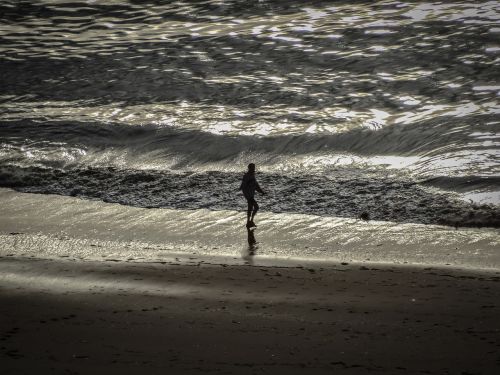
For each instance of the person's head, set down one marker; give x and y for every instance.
(251, 167)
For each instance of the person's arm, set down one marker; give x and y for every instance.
(243, 183)
(257, 187)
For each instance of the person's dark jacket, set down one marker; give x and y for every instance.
(249, 184)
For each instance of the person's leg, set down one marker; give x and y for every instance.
(255, 208)
(250, 208)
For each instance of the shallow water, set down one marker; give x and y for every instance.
(389, 108)
(80, 229)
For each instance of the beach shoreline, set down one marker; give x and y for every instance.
(102, 288)
(127, 238)
(47, 226)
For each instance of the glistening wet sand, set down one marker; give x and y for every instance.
(52, 226)
(80, 317)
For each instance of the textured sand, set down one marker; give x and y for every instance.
(96, 288)
(82, 317)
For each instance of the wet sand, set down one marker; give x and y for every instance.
(50, 226)
(91, 287)
(179, 317)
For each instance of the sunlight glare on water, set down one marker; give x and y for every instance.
(380, 103)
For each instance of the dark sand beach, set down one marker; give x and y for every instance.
(81, 292)
(81, 317)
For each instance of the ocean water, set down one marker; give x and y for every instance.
(385, 108)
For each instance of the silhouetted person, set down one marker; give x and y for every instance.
(248, 185)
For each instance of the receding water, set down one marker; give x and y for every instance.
(388, 107)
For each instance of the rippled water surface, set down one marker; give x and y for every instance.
(388, 107)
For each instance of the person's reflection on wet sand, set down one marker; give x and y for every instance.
(252, 246)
